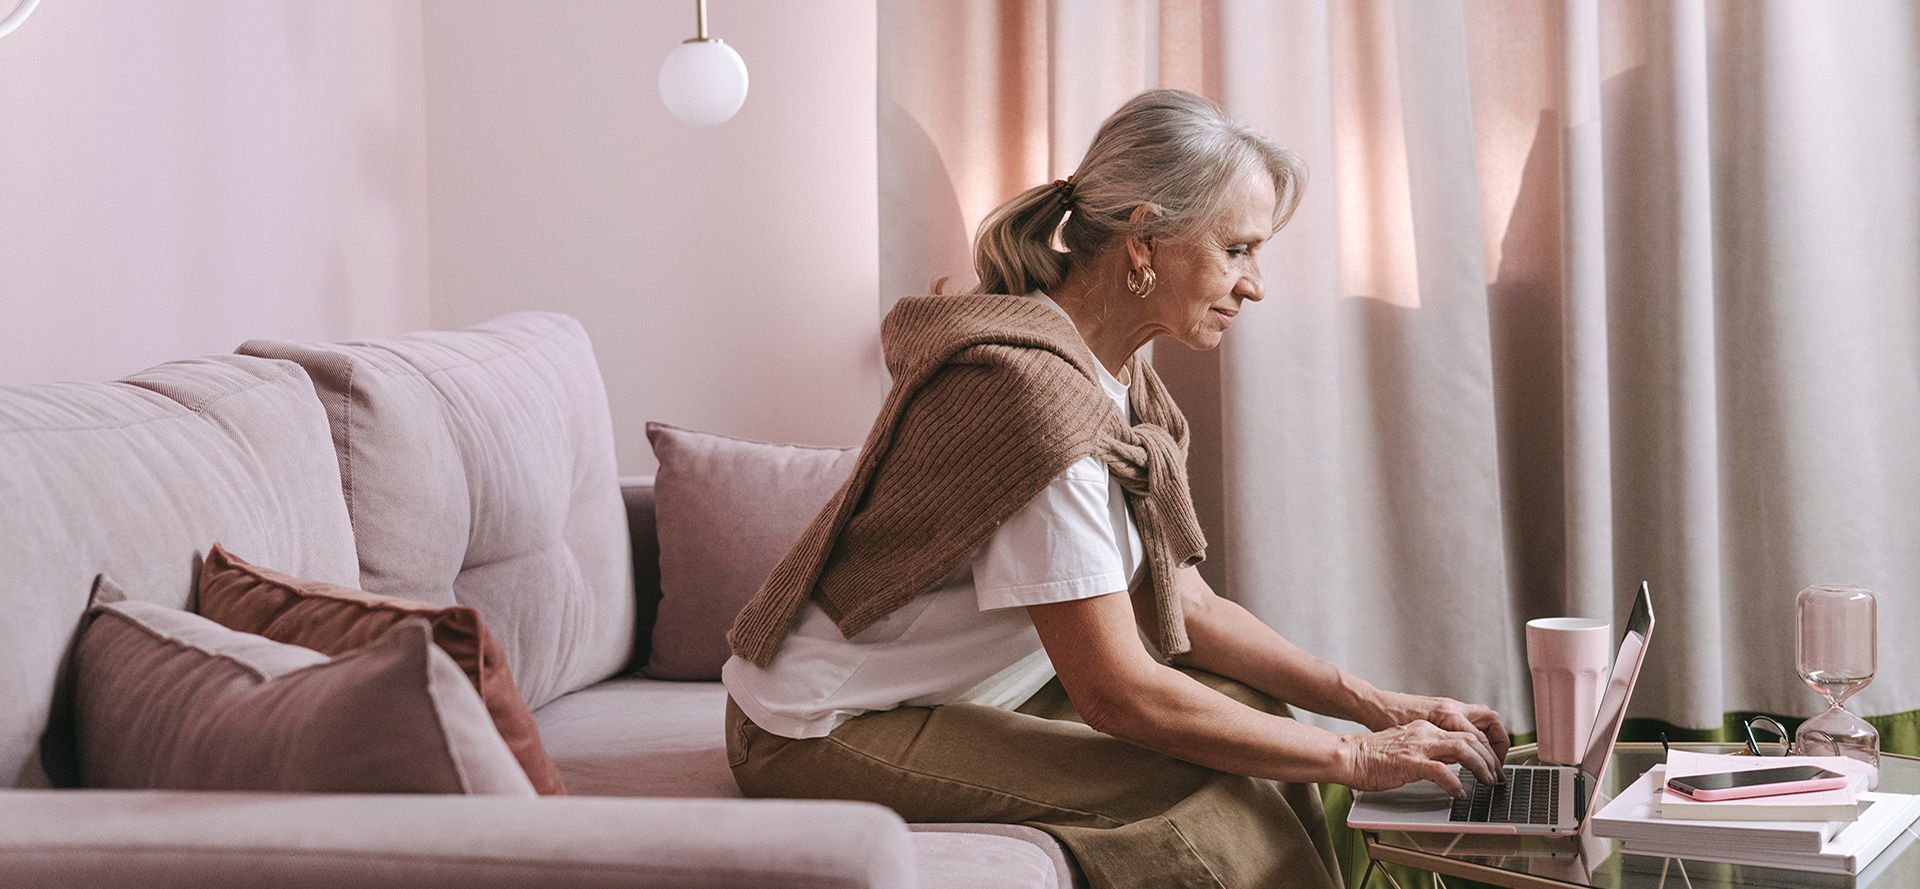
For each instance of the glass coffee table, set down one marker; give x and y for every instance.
(1589, 861)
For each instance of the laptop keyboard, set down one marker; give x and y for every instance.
(1530, 795)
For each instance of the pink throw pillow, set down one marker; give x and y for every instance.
(728, 509)
(168, 699)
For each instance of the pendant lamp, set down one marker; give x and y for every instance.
(19, 15)
(703, 81)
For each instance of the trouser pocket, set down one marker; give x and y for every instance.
(737, 741)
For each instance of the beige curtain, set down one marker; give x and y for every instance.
(1581, 294)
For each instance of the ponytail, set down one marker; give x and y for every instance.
(1013, 251)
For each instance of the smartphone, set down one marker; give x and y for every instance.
(1759, 782)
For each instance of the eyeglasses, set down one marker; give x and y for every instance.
(1764, 723)
(1769, 724)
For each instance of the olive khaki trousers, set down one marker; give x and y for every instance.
(1129, 817)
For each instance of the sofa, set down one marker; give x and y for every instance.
(470, 468)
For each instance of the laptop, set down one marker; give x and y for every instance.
(1534, 799)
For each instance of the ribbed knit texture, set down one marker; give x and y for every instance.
(993, 396)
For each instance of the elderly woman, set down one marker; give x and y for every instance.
(958, 634)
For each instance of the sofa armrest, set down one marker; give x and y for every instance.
(166, 839)
(643, 532)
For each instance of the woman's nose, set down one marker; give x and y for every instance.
(1250, 288)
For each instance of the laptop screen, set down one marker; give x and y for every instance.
(1613, 704)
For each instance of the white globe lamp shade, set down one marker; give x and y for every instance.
(17, 17)
(703, 82)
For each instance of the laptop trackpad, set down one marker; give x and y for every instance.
(1420, 796)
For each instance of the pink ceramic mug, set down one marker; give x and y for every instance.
(1568, 657)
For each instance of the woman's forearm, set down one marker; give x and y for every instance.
(1170, 712)
(1228, 640)
(1121, 690)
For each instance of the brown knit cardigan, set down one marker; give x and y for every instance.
(993, 396)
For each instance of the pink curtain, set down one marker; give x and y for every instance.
(1580, 295)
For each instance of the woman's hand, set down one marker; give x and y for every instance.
(1417, 751)
(1448, 714)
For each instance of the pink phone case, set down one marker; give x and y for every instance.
(1808, 786)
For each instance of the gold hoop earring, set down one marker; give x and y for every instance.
(1142, 285)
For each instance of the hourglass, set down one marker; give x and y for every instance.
(1834, 644)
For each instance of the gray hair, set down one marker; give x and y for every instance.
(1172, 150)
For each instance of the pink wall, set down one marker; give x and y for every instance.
(177, 177)
(728, 275)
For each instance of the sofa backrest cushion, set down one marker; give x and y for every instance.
(478, 468)
(136, 478)
(167, 699)
(728, 510)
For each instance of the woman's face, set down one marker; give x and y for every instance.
(1203, 282)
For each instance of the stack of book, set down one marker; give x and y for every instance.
(1833, 831)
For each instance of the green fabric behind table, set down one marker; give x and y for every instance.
(1899, 733)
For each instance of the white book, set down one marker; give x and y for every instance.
(1823, 805)
(1884, 818)
(1630, 817)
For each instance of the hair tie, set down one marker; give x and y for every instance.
(1064, 188)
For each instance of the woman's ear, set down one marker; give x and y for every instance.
(1140, 247)
(1139, 251)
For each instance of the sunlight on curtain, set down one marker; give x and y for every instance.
(1368, 171)
(1581, 294)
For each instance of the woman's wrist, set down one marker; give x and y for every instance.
(1346, 755)
(1372, 707)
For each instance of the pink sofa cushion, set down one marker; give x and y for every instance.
(334, 620)
(728, 509)
(167, 699)
(641, 737)
(958, 856)
(478, 469)
(133, 478)
(198, 840)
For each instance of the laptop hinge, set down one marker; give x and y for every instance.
(1579, 797)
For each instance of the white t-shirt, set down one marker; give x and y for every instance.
(969, 640)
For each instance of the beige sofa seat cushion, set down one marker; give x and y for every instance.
(478, 469)
(640, 737)
(166, 699)
(647, 737)
(1004, 856)
(136, 478)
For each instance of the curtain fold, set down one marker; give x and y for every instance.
(1581, 294)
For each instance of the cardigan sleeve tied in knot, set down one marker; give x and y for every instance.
(1149, 460)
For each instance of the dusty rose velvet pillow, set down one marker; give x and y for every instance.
(334, 620)
(728, 509)
(169, 699)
